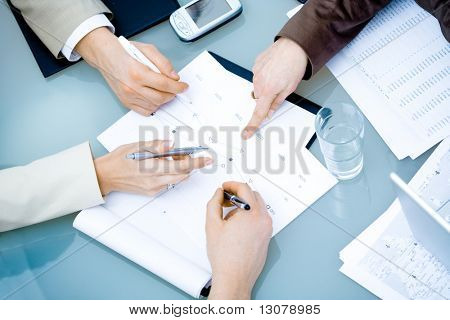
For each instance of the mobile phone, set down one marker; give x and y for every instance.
(200, 17)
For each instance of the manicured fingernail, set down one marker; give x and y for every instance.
(208, 161)
(174, 74)
(270, 114)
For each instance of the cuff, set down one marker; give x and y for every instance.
(312, 35)
(81, 31)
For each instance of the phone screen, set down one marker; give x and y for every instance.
(205, 11)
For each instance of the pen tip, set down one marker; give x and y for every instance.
(247, 207)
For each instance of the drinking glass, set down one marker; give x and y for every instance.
(340, 129)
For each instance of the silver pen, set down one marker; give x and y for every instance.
(171, 153)
(238, 202)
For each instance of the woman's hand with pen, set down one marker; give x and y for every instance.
(148, 177)
(237, 244)
(137, 87)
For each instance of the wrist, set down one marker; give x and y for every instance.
(294, 48)
(226, 288)
(95, 45)
(103, 170)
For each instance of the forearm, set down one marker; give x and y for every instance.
(54, 21)
(48, 188)
(323, 27)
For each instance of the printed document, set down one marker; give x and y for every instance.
(386, 258)
(397, 70)
(166, 233)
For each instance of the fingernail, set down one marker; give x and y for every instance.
(208, 161)
(245, 134)
(270, 114)
(174, 74)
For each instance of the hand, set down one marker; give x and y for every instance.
(237, 245)
(136, 86)
(117, 173)
(277, 73)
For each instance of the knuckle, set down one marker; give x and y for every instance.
(158, 99)
(127, 90)
(134, 74)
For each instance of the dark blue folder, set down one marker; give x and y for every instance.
(130, 18)
(248, 75)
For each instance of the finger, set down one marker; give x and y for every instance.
(161, 62)
(142, 111)
(214, 211)
(276, 105)
(155, 97)
(261, 203)
(242, 190)
(155, 146)
(259, 115)
(231, 214)
(178, 158)
(184, 166)
(164, 182)
(160, 82)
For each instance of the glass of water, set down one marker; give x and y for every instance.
(340, 129)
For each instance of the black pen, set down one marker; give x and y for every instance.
(238, 202)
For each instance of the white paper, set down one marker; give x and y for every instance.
(397, 70)
(292, 12)
(176, 219)
(179, 263)
(386, 258)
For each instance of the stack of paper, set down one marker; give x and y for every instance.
(386, 258)
(397, 70)
(166, 234)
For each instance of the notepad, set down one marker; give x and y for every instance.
(397, 70)
(166, 233)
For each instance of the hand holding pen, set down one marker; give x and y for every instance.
(236, 244)
(116, 172)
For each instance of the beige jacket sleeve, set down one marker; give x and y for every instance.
(48, 188)
(53, 21)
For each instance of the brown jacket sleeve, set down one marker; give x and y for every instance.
(323, 27)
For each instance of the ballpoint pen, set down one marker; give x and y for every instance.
(139, 56)
(238, 202)
(171, 153)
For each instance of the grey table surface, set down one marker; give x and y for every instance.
(40, 116)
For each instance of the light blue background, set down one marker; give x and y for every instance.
(41, 116)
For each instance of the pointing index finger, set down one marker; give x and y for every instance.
(261, 109)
